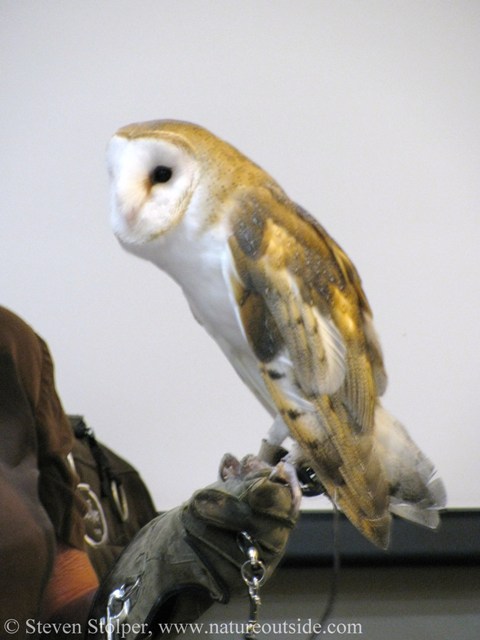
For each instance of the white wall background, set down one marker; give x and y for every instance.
(366, 111)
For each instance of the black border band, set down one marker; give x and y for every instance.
(457, 541)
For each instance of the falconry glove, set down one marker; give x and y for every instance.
(189, 557)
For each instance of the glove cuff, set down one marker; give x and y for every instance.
(145, 585)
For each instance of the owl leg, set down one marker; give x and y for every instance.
(271, 450)
(277, 432)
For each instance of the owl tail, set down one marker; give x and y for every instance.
(416, 493)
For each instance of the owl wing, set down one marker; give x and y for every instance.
(303, 311)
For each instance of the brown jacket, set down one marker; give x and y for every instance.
(38, 502)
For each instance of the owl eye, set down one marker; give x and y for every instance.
(160, 174)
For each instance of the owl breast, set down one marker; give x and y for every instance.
(199, 262)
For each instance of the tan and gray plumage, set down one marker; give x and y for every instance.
(284, 303)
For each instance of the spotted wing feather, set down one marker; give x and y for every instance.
(308, 322)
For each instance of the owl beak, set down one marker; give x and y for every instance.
(121, 220)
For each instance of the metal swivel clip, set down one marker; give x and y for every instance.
(254, 575)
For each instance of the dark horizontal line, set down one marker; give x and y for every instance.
(456, 541)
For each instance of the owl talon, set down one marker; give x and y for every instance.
(285, 472)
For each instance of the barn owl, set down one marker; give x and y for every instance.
(286, 306)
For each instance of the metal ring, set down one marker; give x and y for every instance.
(120, 500)
(253, 575)
(95, 522)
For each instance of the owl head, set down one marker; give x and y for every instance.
(168, 173)
(153, 174)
